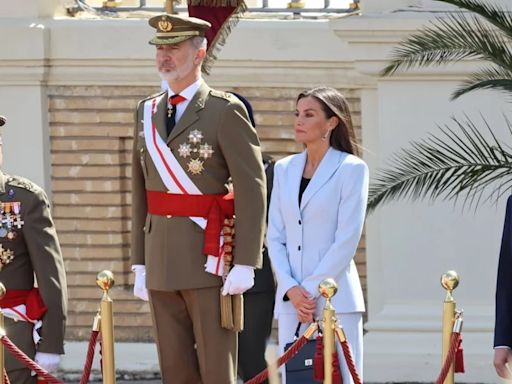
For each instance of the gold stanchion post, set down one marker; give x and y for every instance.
(3, 291)
(449, 281)
(169, 7)
(105, 280)
(328, 289)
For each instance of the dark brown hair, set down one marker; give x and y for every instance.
(333, 103)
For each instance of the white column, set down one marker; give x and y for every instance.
(23, 99)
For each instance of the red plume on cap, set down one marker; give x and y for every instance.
(223, 15)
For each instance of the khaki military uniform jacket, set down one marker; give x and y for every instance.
(36, 253)
(171, 248)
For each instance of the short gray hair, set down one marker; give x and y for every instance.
(199, 42)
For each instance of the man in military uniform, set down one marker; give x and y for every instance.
(35, 317)
(188, 142)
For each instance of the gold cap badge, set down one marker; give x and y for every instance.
(164, 25)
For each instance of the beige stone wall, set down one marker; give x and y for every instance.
(91, 138)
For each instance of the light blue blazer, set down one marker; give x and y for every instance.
(318, 239)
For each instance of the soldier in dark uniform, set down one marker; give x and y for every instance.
(30, 252)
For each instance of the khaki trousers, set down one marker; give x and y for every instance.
(192, 346)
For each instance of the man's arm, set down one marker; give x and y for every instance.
(46, 258)
(241, 148)
(139, 211)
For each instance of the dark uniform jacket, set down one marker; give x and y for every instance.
(36, 254)
(503, 326)
(171, 248)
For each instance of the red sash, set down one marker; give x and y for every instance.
(29, 297)
(214, 208)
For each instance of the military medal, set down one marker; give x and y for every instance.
(195, 166)
(10, 218)
(205, 151)
(17, 217)
(6, 256)
(197, 151)
(184, 150)
(195, 136)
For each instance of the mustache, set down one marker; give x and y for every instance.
(166, 64)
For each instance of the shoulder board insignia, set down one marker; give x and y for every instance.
(222, 94)
(21, 182)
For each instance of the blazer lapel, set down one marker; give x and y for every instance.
(326, 169)
(191, 114)
(160, 117)
(296, 168)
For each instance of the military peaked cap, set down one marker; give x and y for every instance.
(173, 29)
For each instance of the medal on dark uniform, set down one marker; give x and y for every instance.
(3, 221)
(17, 217)
(6, 256)
(10, 218)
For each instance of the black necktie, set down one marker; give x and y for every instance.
(174, 100)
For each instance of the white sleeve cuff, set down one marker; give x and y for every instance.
(138, 268)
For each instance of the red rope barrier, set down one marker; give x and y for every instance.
(350, 361)
(283, 359)
(449, 357)
(6, 378)
(28, 362)
(90, 357)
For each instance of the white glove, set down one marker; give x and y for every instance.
(47, 361)
(239, 280)
(139, 288)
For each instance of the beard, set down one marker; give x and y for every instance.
(176, 73)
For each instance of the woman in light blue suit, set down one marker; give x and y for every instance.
(316, 217)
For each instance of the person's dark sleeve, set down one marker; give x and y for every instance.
(503, 325)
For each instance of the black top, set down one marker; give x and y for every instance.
(303, 185)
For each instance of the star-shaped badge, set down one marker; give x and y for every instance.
(195, 166)
(184, 150)
(195, 136)
(205, 151)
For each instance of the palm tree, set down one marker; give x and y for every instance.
(476, 166)
(483, 34)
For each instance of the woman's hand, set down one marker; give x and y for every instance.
(303, 302)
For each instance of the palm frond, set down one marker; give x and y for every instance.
(456, 37)
(495, 15)
(461, 162)
(487, 78)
